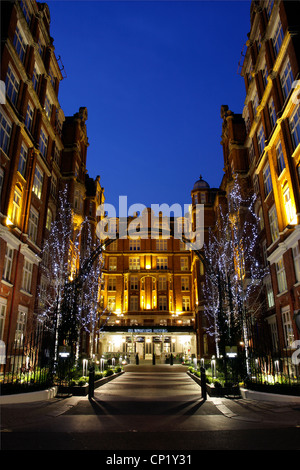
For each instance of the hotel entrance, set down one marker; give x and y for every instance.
(146, 342)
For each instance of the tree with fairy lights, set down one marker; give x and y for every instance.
(72, 266)
(233, 281)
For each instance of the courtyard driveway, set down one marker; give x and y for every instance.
(150, 408)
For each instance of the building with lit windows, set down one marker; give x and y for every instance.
(262, 147)
(41, 152)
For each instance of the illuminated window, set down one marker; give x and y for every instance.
(184, 264)
(186, 307)
(49, 219)
(161, 245)
(112, 264)
(134, 264)
(134, 284)
(3, 306)
(287, 327)
(111, 304)
(33, 224)
(16, 208)
(281, 277)
(289, 209)
(295, 126)
(287, 79)
(185, 283)
(162, 263)
(27, 275)
(280, 158)
(296, 259)
(162, 302)
(273, 224)
(12, 85)
(270, 294)
(267, 180)
(20, 327)
(38, 182)
(134, 303)
(8, 260)
(278, 37)
(112, 284)
(134, 245)
(162, 283)
(48, 106)
(23, 160)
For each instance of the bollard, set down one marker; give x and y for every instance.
(171, 359)
(203, 383)
(137, 361)
(91, 382)
(153, 359)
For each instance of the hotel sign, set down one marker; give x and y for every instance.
(147, 330)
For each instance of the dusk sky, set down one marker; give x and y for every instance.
(153, 76)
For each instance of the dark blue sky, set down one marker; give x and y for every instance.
(153, 75)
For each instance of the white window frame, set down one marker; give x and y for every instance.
(3, 309)
(296, 260)
(281, 276)
(134, 264)
(112, 284)
(29, 116)
(162, 283)
(19, 43)
(37, 186)
(112, 266)
(134, 303)
(161, 245)
(295, 126)
(186, 304)
(43, 142)
(268, 187)
(20, 326)
(286, 78)
(162, 303)
(261, 139)
(5, 132)
(33, 224)
(12, 84)
(277, 37)
(185, 284)
(23, 159)
(134, 283)
(8, 263)
(161, 263)
(184, 264)
(280, 158)
(16, 207)
(134, 244)
(27, 275)
(273, 222)
(287, 327)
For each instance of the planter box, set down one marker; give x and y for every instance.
(82, 391)
(217, 391)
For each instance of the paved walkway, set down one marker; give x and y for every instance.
(147, 407)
